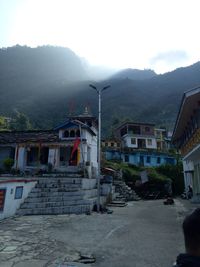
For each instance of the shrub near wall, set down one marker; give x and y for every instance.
(175, 173)
(8, 163)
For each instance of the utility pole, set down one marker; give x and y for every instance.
(99, 92)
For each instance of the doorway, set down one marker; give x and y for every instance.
(141, 143)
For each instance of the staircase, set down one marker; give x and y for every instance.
(125, 193)
(57, 195)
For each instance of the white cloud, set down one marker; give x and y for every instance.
(120, 33)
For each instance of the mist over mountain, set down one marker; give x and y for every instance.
(134, 74)
(48, 83)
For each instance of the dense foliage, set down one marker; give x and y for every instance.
(175, 173)
(157, 176)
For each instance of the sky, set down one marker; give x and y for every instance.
(156, 34)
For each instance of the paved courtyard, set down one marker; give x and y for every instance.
(142, 234)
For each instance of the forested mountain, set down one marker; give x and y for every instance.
(47, 83)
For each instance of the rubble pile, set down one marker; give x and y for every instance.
(125, 193)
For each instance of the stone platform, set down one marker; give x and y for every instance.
(60, 195)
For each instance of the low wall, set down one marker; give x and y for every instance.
(88, 183)
(12, 195)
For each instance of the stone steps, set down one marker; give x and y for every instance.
(58, 196)
(78, 209)
(38, 194)
(52, 199)
(36, 205)
(55, 189)
(43, 185)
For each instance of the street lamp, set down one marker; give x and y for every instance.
(99, 91)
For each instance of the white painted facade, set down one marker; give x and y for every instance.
(86, 151)
(11, 204)
(191, 168)
(132, 141)
(188, 170)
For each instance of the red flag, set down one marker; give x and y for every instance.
(76, 144)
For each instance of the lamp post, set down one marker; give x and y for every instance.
(99, 92)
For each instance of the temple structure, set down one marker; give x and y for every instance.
(71, 145)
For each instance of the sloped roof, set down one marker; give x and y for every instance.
(190, 102)
(69, 123)
(7, 137)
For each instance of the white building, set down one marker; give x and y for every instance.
(71, 145)
(12, 194)
(186, 137)
(137, 135)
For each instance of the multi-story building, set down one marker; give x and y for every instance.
(141, 144)
(137, 135)
(186, 137)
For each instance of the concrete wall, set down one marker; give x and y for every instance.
(88, 183)
(136, 158)
(11, 204)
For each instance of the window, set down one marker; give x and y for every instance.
(158, 160)
(134, 129)
(118, 144)
(133, 141)
(66, 134)
(78, 133)
(106, 144)
(126, 158)
(147, 129)
(112, 144)
(18, 192)
(72, 133)
(149, 142)
(148, 159)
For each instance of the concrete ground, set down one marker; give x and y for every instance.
(143, 234)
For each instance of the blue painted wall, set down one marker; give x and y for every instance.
(137, 158)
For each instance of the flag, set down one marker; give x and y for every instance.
(75, 147)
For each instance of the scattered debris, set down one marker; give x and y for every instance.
(168, 201)
(87, 259)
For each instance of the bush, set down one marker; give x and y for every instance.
(8, 163)
(175, 173)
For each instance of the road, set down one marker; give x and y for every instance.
(143, 234)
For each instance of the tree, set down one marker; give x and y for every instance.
(20, 122)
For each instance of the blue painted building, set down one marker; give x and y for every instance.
(142, 158)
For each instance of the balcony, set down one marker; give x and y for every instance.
(191, 143)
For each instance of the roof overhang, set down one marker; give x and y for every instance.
(189, 103)
(194, 154)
